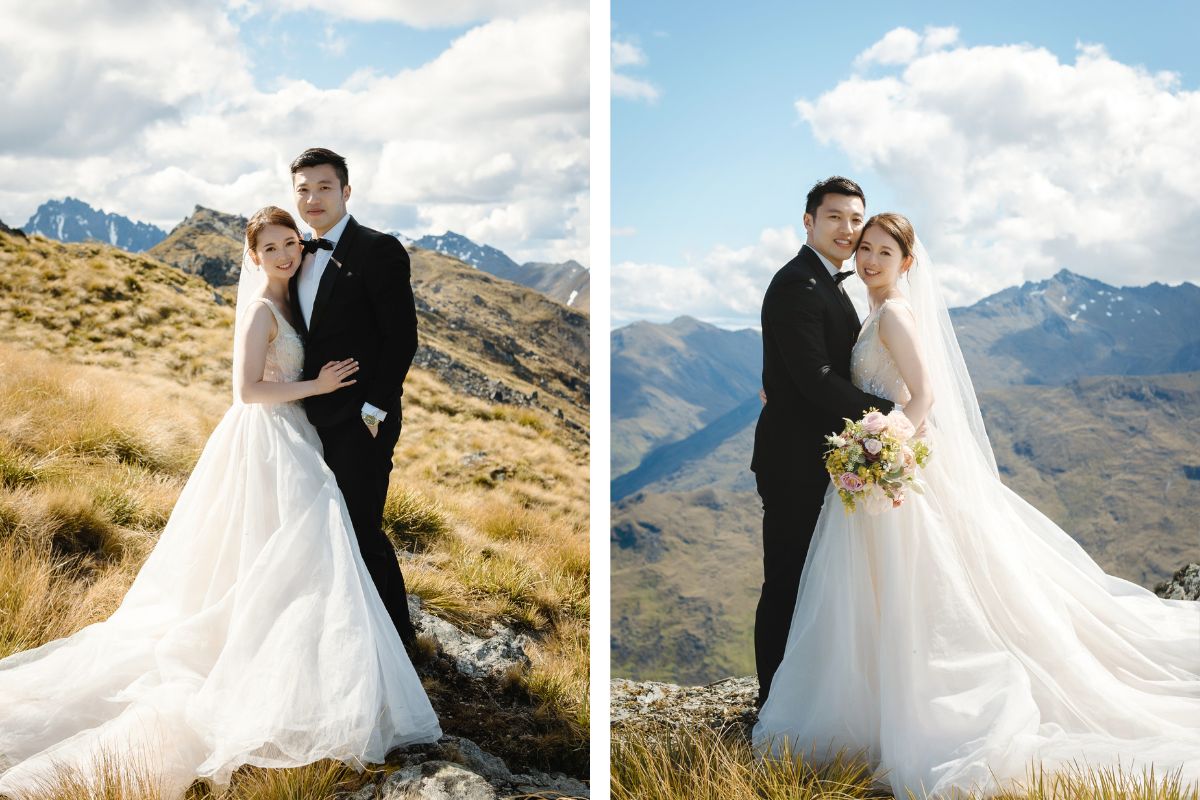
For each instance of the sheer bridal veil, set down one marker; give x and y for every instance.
(955, 416)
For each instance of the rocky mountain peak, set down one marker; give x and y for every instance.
(207, 243)
(73, 220)
(232, 225)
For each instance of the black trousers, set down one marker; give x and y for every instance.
(790, 511)
(362, 463)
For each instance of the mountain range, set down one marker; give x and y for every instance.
(71, 220)
(568, 282)
(1084, 389)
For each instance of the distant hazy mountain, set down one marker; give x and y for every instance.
(1100, 453)
(72, 220)
(568, 282)
(1067, 326)
(668, 381)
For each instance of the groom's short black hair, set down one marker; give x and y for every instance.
(834, 185)
(315, 156)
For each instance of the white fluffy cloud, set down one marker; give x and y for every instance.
(628, 54)
(724, 286)
(1014, 164)
(901, 45)
(149, 111)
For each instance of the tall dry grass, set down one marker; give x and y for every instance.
(101, 305)
(702, 764)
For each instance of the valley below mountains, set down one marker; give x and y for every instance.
(1088, 392)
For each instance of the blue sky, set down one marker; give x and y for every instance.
(326, 50)
(469, 116)
(723, 153)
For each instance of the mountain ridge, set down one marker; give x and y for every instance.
(567, 282)
(73, 220)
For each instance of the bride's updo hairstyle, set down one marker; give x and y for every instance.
(269, 215)
(896, 226)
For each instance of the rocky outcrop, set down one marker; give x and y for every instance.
(456, 767)
(468, 380)
(663, 707)
(473, 656)
(1184, 584)
(208, 243)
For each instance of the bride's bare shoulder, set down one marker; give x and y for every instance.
(260, 319)
(896, 320)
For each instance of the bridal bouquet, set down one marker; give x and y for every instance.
(875, 461)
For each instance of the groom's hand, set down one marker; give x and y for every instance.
(371, 417)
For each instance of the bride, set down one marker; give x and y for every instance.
(253, 634)
(963, 637)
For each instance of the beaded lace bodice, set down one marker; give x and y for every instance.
(872, 368)
(285, 355)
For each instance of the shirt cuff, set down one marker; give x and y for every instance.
(374, 412)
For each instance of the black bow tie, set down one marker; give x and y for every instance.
(313, 245)
(841, 276)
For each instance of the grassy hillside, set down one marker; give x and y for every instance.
(488, 501)
(96, 304)
(535, 346)
(686, 572)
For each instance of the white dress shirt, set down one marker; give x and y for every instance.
(828, 264)
(311, 269)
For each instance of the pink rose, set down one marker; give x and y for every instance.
(850, 482)
(900, 426)
(874, 422)
(872, 446)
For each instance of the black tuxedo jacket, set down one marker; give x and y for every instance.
(364, 309)
(808, 330)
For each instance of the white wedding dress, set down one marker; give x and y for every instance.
(964, 636)
(253, 634)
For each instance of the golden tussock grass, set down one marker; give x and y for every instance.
(120, 777)
(101, 305)
(702, 764)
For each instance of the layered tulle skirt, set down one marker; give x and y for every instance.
(253, 634)
(964, 638)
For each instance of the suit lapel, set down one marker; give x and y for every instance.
(332, 271)
(294, 300)
(817, 268)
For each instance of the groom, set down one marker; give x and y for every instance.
(809, 326)
(352, 298)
